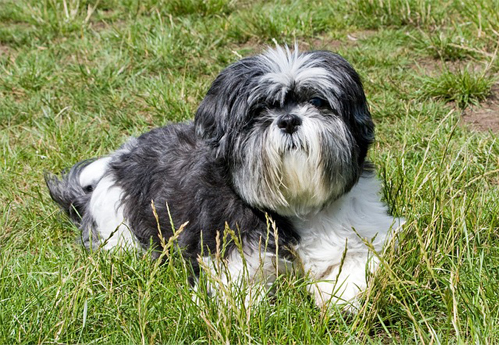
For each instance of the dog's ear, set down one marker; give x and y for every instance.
(349, 99)
(362, 127)
(223, 112)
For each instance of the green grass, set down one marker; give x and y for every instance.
(79, 77)
(463, 87)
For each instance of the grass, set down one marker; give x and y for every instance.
(463, 87)
(79, 77)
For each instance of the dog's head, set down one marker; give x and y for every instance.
(293, 128)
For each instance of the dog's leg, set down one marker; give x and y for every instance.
(244, 279)
(340, 283)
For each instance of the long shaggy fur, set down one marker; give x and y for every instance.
(281, 135)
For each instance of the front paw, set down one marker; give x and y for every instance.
(343, 295)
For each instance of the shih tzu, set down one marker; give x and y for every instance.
(280, 136)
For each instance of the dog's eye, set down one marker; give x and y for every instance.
(317, 102)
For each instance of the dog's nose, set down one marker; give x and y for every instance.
(289, 123)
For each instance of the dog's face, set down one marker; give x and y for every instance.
(293, 128)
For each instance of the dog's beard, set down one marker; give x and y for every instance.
(295, 174)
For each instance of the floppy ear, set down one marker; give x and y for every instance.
(361, 123)
(224, 109)
(353, 103)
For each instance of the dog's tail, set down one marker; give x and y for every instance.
(73, 190)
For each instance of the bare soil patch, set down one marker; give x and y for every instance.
(99, 26)
(485, 117)
(319, 43)
(4, 50)
(250, 47)
(436, 66)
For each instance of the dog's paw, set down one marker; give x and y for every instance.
(330, 294)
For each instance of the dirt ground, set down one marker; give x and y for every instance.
(485, 117)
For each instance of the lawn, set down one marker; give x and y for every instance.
(78, 77)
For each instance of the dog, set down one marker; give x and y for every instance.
(281, 136)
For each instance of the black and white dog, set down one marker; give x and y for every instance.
(282, 135)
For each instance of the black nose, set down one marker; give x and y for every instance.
(289, 123)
